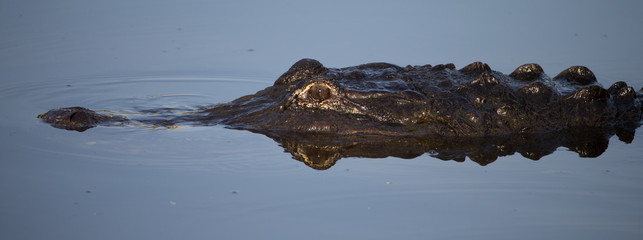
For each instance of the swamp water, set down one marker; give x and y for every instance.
(218, 183)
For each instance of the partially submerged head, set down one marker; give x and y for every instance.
(369, 99)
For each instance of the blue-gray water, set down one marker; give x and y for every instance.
(216, 183)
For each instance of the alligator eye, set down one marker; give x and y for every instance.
(319, 92)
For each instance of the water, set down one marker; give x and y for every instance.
(217, 183)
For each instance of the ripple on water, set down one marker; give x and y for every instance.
(123, 91)
(212, 148)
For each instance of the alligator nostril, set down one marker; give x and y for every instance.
(319, 92)
(71, 117)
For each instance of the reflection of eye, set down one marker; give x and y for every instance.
(319, 92)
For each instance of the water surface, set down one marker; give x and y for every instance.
(218, 183)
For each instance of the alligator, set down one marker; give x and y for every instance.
(382, 101)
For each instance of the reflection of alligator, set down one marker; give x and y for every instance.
(321, 152)
(419, 102)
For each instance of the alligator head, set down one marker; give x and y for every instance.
(370, 99)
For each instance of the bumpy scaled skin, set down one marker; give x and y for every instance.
(384, 99)
(321, 114)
